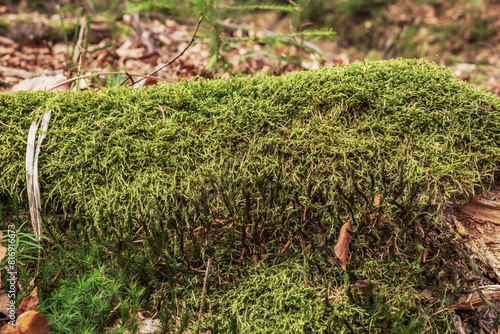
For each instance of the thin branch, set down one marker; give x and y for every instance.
(130, 77)
(102, 74)
(56, 321)
(209, 263)
(174, 59)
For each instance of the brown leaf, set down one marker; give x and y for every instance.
(286, 246)
(342, 246)
(30, 302)
(4, 302)
(426, 253)
(150, 81)
(32, 322)
(8, 329)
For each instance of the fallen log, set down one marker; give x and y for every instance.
(264, 172)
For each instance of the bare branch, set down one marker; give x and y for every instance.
(56, 321)
(174, 59)
(102, 74)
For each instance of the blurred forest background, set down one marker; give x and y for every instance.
(242, 37)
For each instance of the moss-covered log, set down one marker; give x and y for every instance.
(234, 169)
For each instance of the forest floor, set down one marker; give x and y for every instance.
(34, 44)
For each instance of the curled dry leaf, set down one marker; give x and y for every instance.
(150, 81)
(30, 322)
(4, 302)
(30, 302)
(342, 246)
(426, 254)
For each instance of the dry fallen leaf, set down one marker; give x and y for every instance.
(33, 322)
(40, 83)
(4, 302)
(30, 302)
(30, 322)
(147, 325)
(426, 253)
(8, 329)
(342, 246)
(150, 81)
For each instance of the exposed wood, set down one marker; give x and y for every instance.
(483, 209)
(478, 222)
(473, 300)
(458, 325)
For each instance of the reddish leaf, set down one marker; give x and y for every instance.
(4, 302)
(342, 246)
(8, 329)
(30, 322)
(150, 81)
(286, 247)
(426, 253)
(30, 302)
(33, 322)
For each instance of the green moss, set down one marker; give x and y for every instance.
(228, 167)
(282, 300)
(312, 126)
(4, 22)
(121, 29)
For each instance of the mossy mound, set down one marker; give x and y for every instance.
(233, 169)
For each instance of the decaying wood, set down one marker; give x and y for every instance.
(458, 325)
(483, 209)
(473, 300)
(478, 223)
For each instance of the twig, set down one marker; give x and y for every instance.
(458, 325)
(277, 265)
(202, 302)
(56, 321)
(171, 61)
(101, 74)
(130, 77)
(241, 136)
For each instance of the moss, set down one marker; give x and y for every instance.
(313, 126)
(282, 300)
(120, 29)
(4, 22)
(228, 167)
